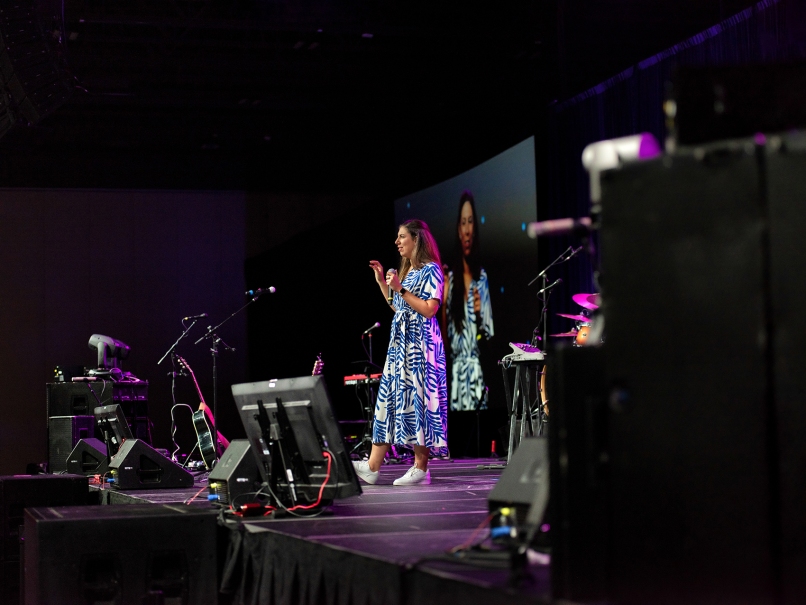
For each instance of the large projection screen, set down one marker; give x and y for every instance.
(504, 194)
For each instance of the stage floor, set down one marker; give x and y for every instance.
(402, 533)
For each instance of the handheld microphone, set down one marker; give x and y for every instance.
(480, 331)
(199, 316)
(390, 294)
(550, 286)
(377, 324)
(259, 291)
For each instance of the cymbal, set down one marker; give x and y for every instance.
(581, 318)
(588, 301)
(571, 334)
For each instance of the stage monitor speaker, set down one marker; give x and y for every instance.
(64, 432)
(127, 555)
(236, 477)
(88, 458)
(137, 465)
(685, 303)
(524, 484)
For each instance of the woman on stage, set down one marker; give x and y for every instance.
(411, 408)
(468, 312)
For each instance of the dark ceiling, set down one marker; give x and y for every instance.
(366, 96)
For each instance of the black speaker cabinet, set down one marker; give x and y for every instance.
(64, 432)
(80, 398)
(525, 481)
(236, 477)
(137, 465)
(17, 493)
(786, 192)
(686, 307)
(577, 393)
(127, 555)
(88, 458)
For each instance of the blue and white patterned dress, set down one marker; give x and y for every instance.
(467, 381)
(412, 403)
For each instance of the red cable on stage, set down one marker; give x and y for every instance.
(321, 489)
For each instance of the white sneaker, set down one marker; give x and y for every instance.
(414, 476)
(362, 470)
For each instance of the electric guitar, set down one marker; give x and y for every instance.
(203, 422)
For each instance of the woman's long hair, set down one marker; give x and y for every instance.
(459, 296)
(425, 248)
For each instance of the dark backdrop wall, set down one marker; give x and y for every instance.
(326, 297)
(129, 264)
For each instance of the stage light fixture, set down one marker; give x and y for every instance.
(613, 153)
(111, 351)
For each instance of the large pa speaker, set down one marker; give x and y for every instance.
(88, 458)
(578, 442)
(127, 555)
(686, 306)
(16, 494)
(524, 484)
(64, 432)
(137, 465)
(785, 166)
(236, 477)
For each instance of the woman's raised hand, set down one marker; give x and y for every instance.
(476, 301)
(378, 270)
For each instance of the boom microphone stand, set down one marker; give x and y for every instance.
(215, 340)
(545, 291)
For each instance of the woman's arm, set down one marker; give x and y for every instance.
(426, 308)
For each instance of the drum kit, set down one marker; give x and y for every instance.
(583, 321)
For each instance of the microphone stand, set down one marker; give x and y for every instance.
(174, 345)
(213, 337)
(369, 391)
(567, 255)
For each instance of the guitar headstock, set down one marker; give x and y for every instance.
(183, 364)
(318, 366)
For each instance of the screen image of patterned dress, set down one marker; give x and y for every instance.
(412, 403)
(467, 381)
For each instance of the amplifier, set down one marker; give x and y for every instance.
(64, 432)
(80, 398)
